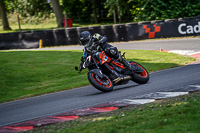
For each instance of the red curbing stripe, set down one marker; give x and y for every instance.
(104, 109)
(31, 124)
(196, 55)
(64, 118)
(17, 129)
(53, 119)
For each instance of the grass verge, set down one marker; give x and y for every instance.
(30, 73)
(45, 26)
(178, 114)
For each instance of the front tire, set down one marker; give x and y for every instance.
(105, 84)
(140, 78)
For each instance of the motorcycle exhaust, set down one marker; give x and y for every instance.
(119, 79)
(127, 78)
(115, 81)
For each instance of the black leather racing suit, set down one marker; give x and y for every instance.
(111, 51)
(101, 45)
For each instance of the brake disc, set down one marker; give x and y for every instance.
(99, 80)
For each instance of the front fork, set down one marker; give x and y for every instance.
(97, 70)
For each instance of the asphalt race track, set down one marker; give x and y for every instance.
(171, 79)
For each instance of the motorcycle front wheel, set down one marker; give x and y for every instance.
(140, 78)
(102, 84)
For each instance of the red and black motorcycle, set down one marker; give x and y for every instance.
(101, 68)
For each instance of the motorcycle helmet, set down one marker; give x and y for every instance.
(86, 39)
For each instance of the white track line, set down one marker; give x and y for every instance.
(184, 52)
(160, 95)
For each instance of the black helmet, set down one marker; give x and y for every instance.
(86, 38)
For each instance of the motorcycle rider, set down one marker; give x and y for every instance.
(97, 43)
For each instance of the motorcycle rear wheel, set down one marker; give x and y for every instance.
(140, 78)
(105, 84)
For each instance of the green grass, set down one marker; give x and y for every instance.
(29, 27)
(30, 73)
(40, 22)
(44, 26)
(175, 115)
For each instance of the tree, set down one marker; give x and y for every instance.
(81, 10)
(4, 16)
(145, 10)
(94, 11)
(58, 12)
(120, 6)
(28, 7)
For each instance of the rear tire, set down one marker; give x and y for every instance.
(140, 78)
(105, 85)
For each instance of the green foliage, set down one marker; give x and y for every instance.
(162, 9)
(120, 5)
(29, 7)
(40, 11)
(30, 12)
(81, 10)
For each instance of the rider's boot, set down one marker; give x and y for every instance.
(115, 76)
(134, 68)
(125, 62)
